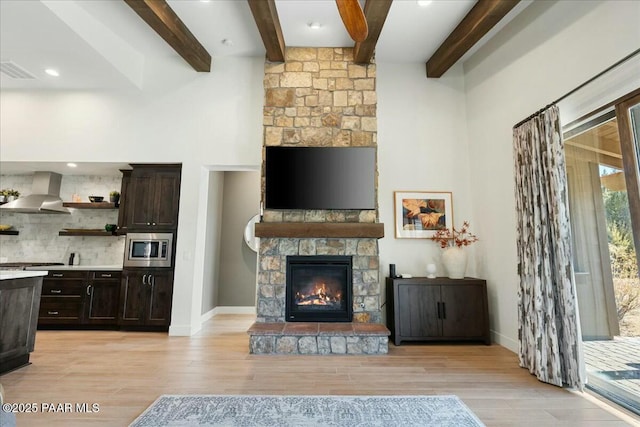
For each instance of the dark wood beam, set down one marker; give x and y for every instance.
(159, 16)
(375, 11)
(266, 17)
(480, 19)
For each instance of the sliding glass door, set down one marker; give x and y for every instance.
(602, 158)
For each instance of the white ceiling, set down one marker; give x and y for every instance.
(103, 44)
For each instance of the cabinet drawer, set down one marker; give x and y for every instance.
(105, 275)
(58, 308)
(61, 274)
(58, 288)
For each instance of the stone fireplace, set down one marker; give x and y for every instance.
(319, 97)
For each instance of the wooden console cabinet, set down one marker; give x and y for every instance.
(440, 309)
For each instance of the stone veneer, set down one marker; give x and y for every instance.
(318, 98)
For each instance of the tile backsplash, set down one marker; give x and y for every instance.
(38, 238)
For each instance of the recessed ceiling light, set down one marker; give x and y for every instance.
(72, 165)
(314, 25)
(52, 72)
(424, 3)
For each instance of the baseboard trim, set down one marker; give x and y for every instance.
(208, 315)
(228, 310)
(505, 341)
(183, 330)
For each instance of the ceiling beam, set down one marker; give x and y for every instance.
(266, 17)
(375, 12)
(159, 16)
(480, 19)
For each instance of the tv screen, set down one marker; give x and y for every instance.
(320, 178)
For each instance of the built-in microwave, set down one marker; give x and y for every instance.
(148, 250)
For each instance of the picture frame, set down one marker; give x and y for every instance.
(419, 214)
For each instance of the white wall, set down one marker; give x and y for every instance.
(211, 221)
(241, 201)
(198, 119)
(422, 146)
(542, 54)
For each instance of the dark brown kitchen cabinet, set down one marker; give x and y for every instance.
(440, 309)
(78, 298)
(145, 297)
(125, 190)
(153, 197)
(62, 298)
(101, 299)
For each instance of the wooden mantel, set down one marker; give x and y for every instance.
(360, 230)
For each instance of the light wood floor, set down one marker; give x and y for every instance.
(124, 372)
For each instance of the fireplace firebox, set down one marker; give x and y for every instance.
(319, 289)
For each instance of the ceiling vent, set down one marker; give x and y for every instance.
(14, 71)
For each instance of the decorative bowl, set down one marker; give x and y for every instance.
(96, 199)
(110, 227)
(5, 227)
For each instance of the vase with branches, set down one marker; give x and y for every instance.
(453, 241)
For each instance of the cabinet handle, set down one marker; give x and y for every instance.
(56, 291)
(148, 223)
(53, 313)
(439, 312)
(57, 275)
(105, 275)
(444, 311)
(88, 289)
(144, 279)
(152, 280)
(153, 223)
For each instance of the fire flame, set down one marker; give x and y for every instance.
(319, 295)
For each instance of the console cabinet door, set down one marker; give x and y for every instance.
(463, 311)
(419, 312)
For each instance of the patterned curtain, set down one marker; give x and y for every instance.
(549, 328)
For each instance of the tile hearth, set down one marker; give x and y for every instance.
(318, 338)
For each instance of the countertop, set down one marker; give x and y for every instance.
(10, 274)
(77, 268)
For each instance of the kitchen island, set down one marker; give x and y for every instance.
(19, 304)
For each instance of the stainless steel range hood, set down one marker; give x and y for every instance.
(45, 197)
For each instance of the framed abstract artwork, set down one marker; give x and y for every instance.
(419, 214)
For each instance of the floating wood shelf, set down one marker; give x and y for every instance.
(86, 233)
(90, 205)
(9, 233)
(320, 229)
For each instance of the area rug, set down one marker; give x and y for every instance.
(306, 411)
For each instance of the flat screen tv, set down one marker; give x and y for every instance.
(320, 178)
